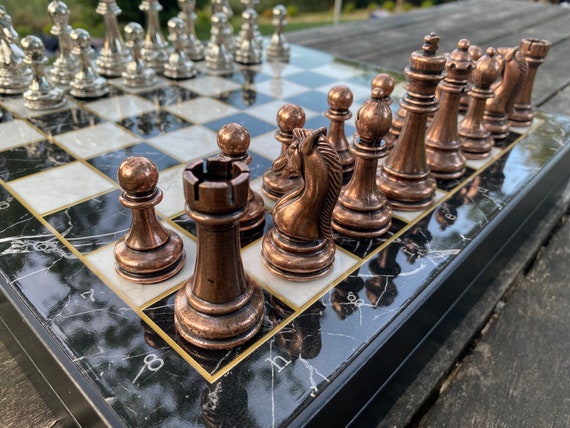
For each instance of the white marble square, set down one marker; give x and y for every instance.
(103, 262)
(117, 108)
(202, 110)
(188, 143)
(257, 186)
(170, 182)
(410, 216)
(16, 133)
(266, 145)
(296, 293)
(18, 106)
(118, 83)
(280, 89)
(95, 140)
(337, 70)
(58, 187)
(210, 86)
(480, 163)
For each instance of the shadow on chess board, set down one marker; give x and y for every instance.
(61, 216)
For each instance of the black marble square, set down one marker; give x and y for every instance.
(448, 185)
(109, 162)
(151, 124)
(312, 100)
(168, 95)
(93, 223)
(35, 157)
(320, 121)
(311, 79)
(5, 115)
(254, 126)
(65, 121)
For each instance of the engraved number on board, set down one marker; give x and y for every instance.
(278, 362)
(152, 363)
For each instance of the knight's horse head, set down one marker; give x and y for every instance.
(304, 141)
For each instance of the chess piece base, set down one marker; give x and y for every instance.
(95, 89)
(220, 326)
(361, 224)
(151, 266)
(406, 192)
(297, 261)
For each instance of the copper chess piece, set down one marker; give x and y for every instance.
(405, 177)
(276, 180)
(476, 140)
(300, 246)
(443, 148)
(220, 306)
(340, 99)
(233, 141)
(385, 82)
(513, 72)
(476, 52)
(361, 210)
(148, 253)
(534, 51)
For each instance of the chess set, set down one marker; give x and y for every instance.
(123, 202)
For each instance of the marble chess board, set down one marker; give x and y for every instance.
(326, 345)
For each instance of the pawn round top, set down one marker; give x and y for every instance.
(374, 117)
(476, 52)
(290, 116)
(176, 25)
(340, 98)
(137, 175)
(459, 63)
(33, 47)
(134, 31)
(233, 139)
(219, 19)
(487, 70)
(58, 11)
(81, 38)
(279, 11)
(385, 82)
(187, 5)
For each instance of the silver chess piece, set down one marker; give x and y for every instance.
(113, 56)
(86, 83)
(223, 6)
(193, 47)
(250, 4)
(137, 74)
(218, 59)
(278, 49)
(65, 65)
(41, 95)
(155, 48)
(15, 75)
(248, 50)
(178, 65)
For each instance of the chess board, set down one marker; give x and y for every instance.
(326, 345)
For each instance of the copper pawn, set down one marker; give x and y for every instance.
(534, 51)
(340, 99)
(405, 178)
(476, 140)
(443, 148)
(385, 82)
(148, 253)
(233, 141)
(476, 52)
(220, 306)
(276, 182)
(361, 210)
(300, 246)
(513, 73)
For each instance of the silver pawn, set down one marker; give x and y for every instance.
(137, 74)
(178, 65)
(86, 83)
(223, 6)
(155, 48)
(113, 56)
(278, 49)
(15, 75)
(218, 59)
(248, 50)
(250, 4)
(193, 48)
(65, 65)
(41, 95)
